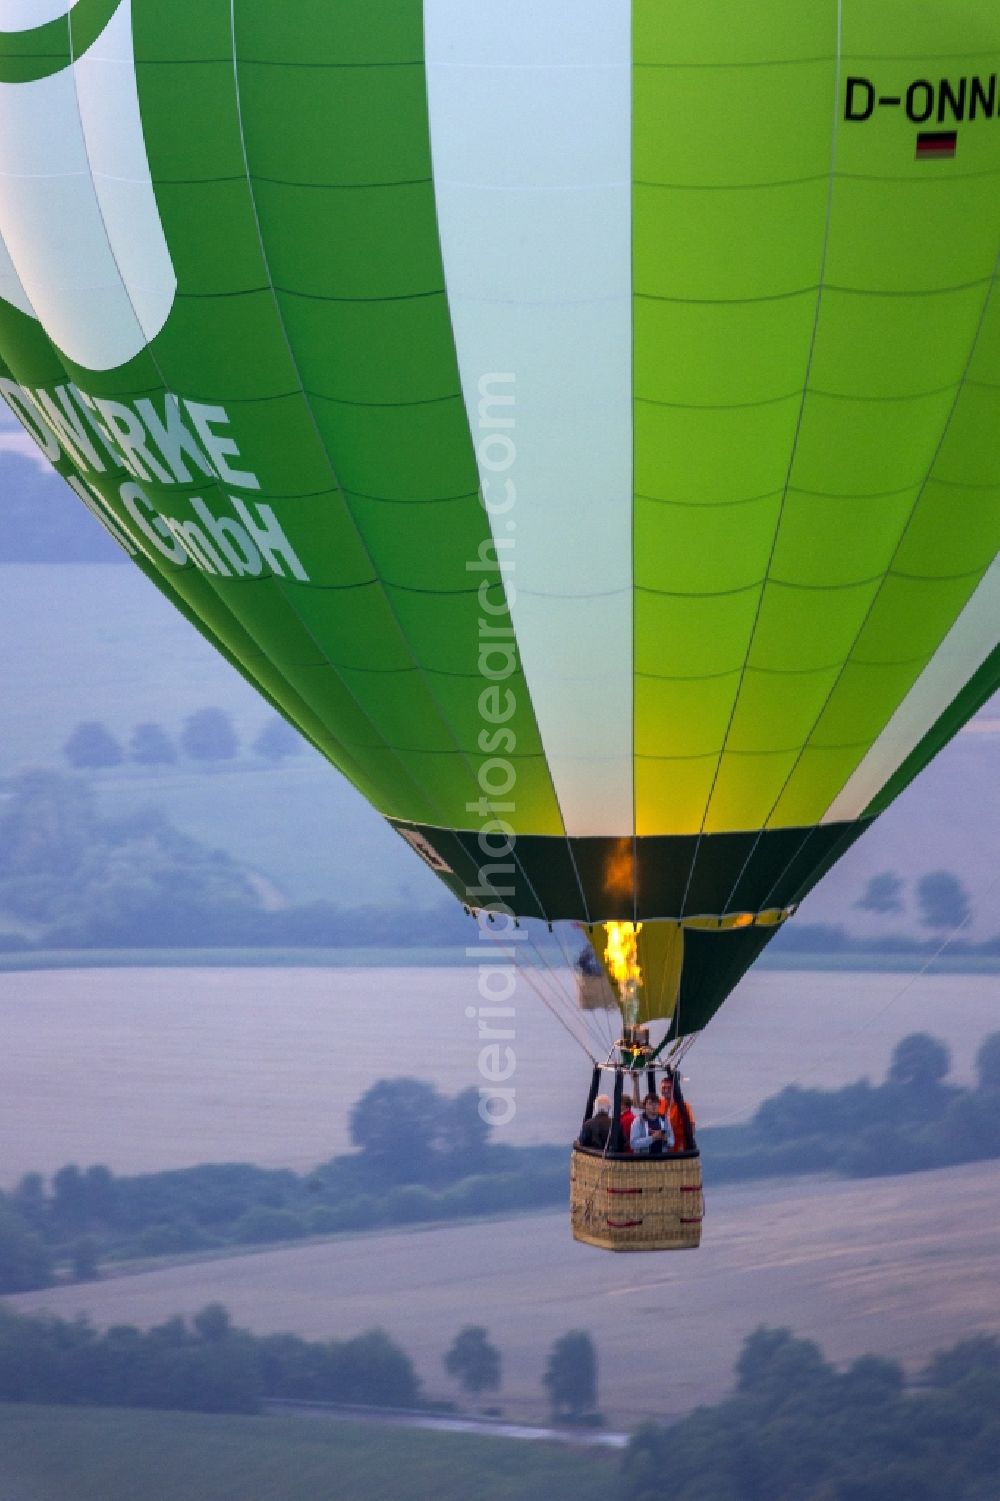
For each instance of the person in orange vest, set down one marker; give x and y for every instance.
(678, 1112)
(628, 1116)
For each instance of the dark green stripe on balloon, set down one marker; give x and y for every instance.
(976, 692)
(27, 56)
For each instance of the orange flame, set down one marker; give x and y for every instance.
(619, 869)
(621, 955)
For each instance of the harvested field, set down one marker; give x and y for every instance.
(899, 1266)
(148, 1069)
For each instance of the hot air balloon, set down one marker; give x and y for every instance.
(578, 419)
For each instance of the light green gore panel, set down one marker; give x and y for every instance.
(732, 135)
(816, 396)
(900, 418)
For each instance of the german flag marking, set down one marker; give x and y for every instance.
(936, 144)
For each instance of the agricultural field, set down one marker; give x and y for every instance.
(148, 1069)
(898, 1267)
(53, 1454)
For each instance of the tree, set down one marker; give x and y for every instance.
(793, 1112)
(944, 901)
(24, 1261)
(213, 1323)
(988, 1063)
(376, 1370)
(571, 1375)
(883, 893)
(99, 1188)
(46, 830)
(773, 1364)
(796, 1429)
(400, 1125)
(468, 1133)
(880, 1151)
(92, 746)
(443, 1137)
(83, 1259)
(970, 1129)
(277, 740)
(979, 1353)
(150, 745)
(209, 735)
(871, 1380)
(919, 1062)
(69, 1197)
(473, 1362)
(29, 1199)
(263, 1223)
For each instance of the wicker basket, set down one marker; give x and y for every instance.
(636, 1203)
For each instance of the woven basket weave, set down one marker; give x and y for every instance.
(636, 1203)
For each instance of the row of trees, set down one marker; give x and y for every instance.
(914, 1120)
(570, 1377)
(799, 1429)
(70, 879)
(794, 1426)
(207, 736)
(421, 1157)
(943, 902)
(208, 1365)
(442, 1166)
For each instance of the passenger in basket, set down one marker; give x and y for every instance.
(596, 1131)
(628, 1116)
(674, 1108)
(651, 1135)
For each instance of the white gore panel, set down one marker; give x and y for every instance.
(78, 214)
(530, 114)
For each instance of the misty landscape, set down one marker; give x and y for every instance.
(91, 643)
(145, 1039)
(499, 750)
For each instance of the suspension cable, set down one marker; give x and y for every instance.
(535, 979)
(597, 1021)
